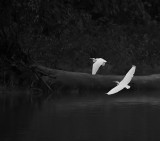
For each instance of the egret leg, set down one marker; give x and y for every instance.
(103, 64)
(128, 87)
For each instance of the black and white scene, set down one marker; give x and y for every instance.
(79, 70)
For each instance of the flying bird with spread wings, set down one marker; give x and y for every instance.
(124, 83)
(97, 62)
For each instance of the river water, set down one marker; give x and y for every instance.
(130, 117)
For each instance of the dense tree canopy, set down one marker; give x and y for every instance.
(69, 32)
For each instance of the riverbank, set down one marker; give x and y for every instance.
(65, 80)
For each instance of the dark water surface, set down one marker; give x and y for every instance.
(83, 118)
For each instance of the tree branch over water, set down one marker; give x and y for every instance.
(64, 80)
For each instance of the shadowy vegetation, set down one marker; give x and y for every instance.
(64, 34)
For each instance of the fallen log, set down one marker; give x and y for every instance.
(65, 80)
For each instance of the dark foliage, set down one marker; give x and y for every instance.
(64, 34)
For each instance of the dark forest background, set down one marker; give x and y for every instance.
(64, 34)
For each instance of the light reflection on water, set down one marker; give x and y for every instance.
(138, 100)
(84, 118)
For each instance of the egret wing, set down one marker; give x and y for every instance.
(95, 67)
(115, 89)
(128, 77)
(102, 60)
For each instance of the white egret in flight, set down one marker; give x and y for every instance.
(97, 63)
(124, 83)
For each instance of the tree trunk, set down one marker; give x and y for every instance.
(64, 80)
